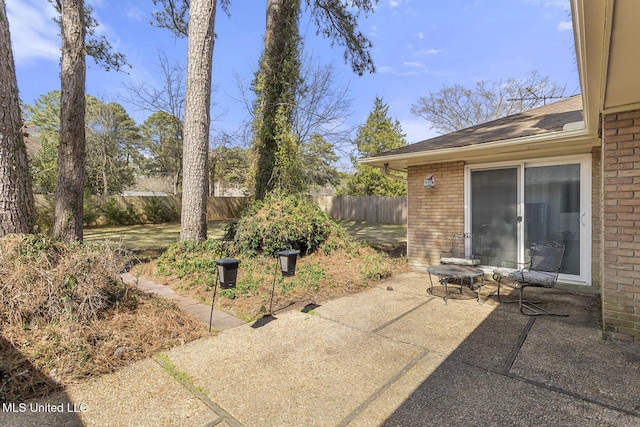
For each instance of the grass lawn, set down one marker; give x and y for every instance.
(160, 236)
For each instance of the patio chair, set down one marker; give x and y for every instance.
(541, 271)
(465, 250)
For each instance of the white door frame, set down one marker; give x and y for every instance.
(584, 278)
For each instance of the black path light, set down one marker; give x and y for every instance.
(227, 275)
(287, 268)
(288, 262)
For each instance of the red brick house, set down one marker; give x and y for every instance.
(568, 171)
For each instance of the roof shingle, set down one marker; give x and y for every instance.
(546, 119)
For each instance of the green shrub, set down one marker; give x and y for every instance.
(190, 257)
(282, 222)
(155, 211)
(44, 213)
(91, 212)
(115, 215)
(44, 216)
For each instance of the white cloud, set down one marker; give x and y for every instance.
(549, 3)
(394, 3)
(415, 64)
(420, 35)
(426, 52)
(565, 26)
(135, 14)
(34, 35)
(385, 69)
(95, 3)
(417, 129)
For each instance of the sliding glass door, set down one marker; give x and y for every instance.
(552, 210)
(494, 207)
(513, 206)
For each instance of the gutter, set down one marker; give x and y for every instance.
(385, 172)
(548, 138)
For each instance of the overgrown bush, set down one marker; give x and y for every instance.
(282, 222)
(65, 315)
(91, 213)
(155, 211)
(44, 216)
(331, 262)
(44, 280)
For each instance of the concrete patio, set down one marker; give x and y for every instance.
(393, 355)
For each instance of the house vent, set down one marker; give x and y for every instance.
(573, 126)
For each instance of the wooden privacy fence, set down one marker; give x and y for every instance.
(218, 208)
(376, 209)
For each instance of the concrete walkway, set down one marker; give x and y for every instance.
(219, 319)
(392, 356)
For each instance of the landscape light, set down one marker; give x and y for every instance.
(227, 276)
(288, 262)
(227, 272)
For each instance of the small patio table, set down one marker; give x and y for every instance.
(445, 272)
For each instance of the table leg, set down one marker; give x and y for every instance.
(430, 290)
(444, 281)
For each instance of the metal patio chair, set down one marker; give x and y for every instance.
(541, 271)
(465, 250)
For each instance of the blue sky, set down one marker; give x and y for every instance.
(419, 46)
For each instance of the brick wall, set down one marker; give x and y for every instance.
(621, 225)
(433, 214)
(596, 219)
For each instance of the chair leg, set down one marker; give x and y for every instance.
(499, 280)
(515, 285)
(532, 308)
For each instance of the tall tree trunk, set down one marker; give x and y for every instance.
(276, 163)
(17, 207)
(176, 181)
(105, 175)
(273, 13)
(197, 120)
(67, 218)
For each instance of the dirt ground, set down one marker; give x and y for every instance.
(318, 278)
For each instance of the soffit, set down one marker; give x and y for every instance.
(623, 63)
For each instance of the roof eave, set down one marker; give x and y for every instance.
(564, 142)
(591, 32)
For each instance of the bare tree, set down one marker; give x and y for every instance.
(319, 109)
(277, 160)
(17, 207)
(456, 107)
(166, 102)
(321, 106)
(67, 220)
(168, 98)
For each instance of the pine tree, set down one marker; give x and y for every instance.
(379, 133)
(17, 207)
